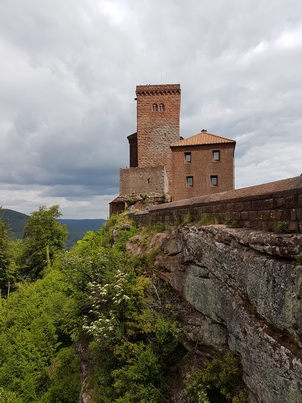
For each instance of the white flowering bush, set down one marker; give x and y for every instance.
(108, 307)
(133, 346)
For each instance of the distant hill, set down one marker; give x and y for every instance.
(76, 228)
(16, 222)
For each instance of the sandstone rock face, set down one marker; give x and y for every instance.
(246, 292)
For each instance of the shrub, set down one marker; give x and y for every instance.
(218, 381)
(281, 227)
(298, 259)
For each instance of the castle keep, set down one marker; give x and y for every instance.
(150, 172)
(165, 167)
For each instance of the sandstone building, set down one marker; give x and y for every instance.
(202, 164)
(163, 165)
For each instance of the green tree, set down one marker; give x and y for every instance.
(4, 255)
(8, 252)
(38, 362)
(43, 238)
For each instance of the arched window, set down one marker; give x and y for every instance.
(154, 108)
(161, 107)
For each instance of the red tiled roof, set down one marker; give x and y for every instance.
(202, 138)
(132, 136)
(114, 200)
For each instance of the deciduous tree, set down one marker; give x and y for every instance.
(43, 237)
(8, 253)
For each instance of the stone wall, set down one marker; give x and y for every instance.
(137, 181)
(261, 207)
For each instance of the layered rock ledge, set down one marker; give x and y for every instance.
(244, 289)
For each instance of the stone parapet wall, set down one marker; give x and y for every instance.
(261, 207)
(137, 181)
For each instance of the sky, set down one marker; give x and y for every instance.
(67, 86)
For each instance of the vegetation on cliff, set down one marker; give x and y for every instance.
(94, 293)
(96, 298)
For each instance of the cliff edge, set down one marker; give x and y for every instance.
(240, 290)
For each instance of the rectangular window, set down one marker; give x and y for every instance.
(214, 180)
(190, 181)
(216, 155)
(188, 157)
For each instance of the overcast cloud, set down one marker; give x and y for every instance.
(67, 86)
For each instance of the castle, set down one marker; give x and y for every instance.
(164, 166)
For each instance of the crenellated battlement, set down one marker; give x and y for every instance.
(158, 89)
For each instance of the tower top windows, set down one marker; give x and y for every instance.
(156, 108)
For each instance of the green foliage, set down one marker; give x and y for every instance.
(34, 324)
(134, 347)
(131, 201)
(298, 259)
(204, 219)
(8, 256)
(188, 218)
(64, 377)
(43, 238)
(144, 198)
(218, 381)
(234, 224)
(281, 227)
(76, 228)
(9, 397)
(152, 228)
(5, 260)
(95, 292)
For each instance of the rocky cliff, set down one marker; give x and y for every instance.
(240, 290)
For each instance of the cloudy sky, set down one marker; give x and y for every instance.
(67, 86)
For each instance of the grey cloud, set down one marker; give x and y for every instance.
(69, 71)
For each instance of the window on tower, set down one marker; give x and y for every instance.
(214, 180)
(189, 181)
(161, 107)
(154, 108)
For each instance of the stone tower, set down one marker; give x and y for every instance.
(158, 116)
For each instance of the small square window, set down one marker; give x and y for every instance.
(214, 180)
(190, 181)
(188, 157)
(216, 155)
